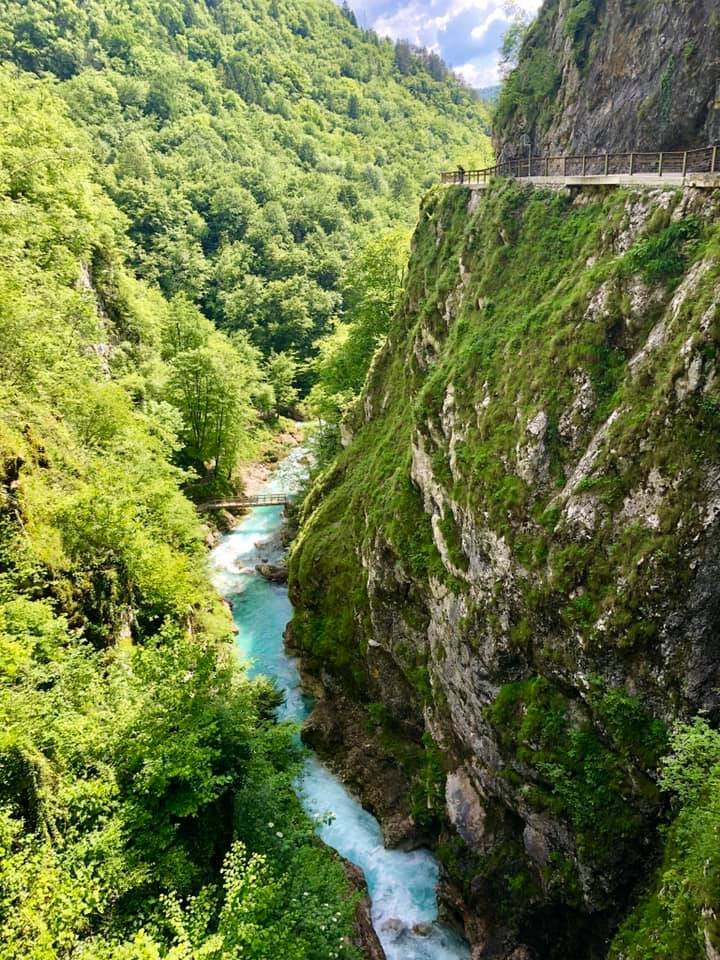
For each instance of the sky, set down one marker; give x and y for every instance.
(466, 33)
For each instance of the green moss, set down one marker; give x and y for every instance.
(663, 256)
(451, 536)
(588, 759)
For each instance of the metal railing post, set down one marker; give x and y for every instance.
(684, 164)
(632, 163)
(660, 163)
(564, 166)
(607, 163)
(584, 166)
(713, 166)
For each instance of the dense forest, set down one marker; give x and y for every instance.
(254, 147)
(201, 205)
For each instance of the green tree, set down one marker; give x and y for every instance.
(207, 142)
(282, 370)
(209, 386)
(374, 282)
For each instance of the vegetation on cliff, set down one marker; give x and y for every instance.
(677, 916)
(518, 546)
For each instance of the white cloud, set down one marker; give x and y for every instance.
(478, 74)
(464, 32)
(479, 32)
(416, 20)
(445, 26)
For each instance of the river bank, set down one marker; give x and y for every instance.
(255, 474)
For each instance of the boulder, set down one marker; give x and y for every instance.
(272, 573)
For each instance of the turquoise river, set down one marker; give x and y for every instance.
(402, 885)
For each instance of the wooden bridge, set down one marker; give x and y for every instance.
(247, 503)
(700, 168)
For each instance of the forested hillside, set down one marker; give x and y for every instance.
(135, 757)
(254, 146)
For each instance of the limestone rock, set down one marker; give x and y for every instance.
(625, 78)
(364, 936)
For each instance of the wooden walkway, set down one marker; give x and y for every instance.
(247, 503)
(700, 168)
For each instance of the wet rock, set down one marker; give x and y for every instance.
(228, 608)
(400, 832)
(225, 521)
(211, 538)
(423, 929)
(464, 808)
(394, 927)
(339, 730)
(272, 573)
(270, 544)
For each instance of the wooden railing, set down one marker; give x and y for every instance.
(658, 164)
(237, 503)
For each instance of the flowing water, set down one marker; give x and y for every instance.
(402, 886)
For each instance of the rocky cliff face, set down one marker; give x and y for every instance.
(507, 584)
(597, 75)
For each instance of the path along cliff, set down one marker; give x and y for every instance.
(507, 584)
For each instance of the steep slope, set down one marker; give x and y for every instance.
(506, 584)
(596, 75)
(134, 751)
(253, 145)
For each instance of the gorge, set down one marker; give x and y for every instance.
(481, 719)
(402, 886)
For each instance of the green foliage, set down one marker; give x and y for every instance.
(251, 146)
(580, 773)
(282, 374)
(373, 287)
(209, 386)
(528, 89)
(677, 916)
(664, 255)
(579, 22)
(134, 751)
(512, 43)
